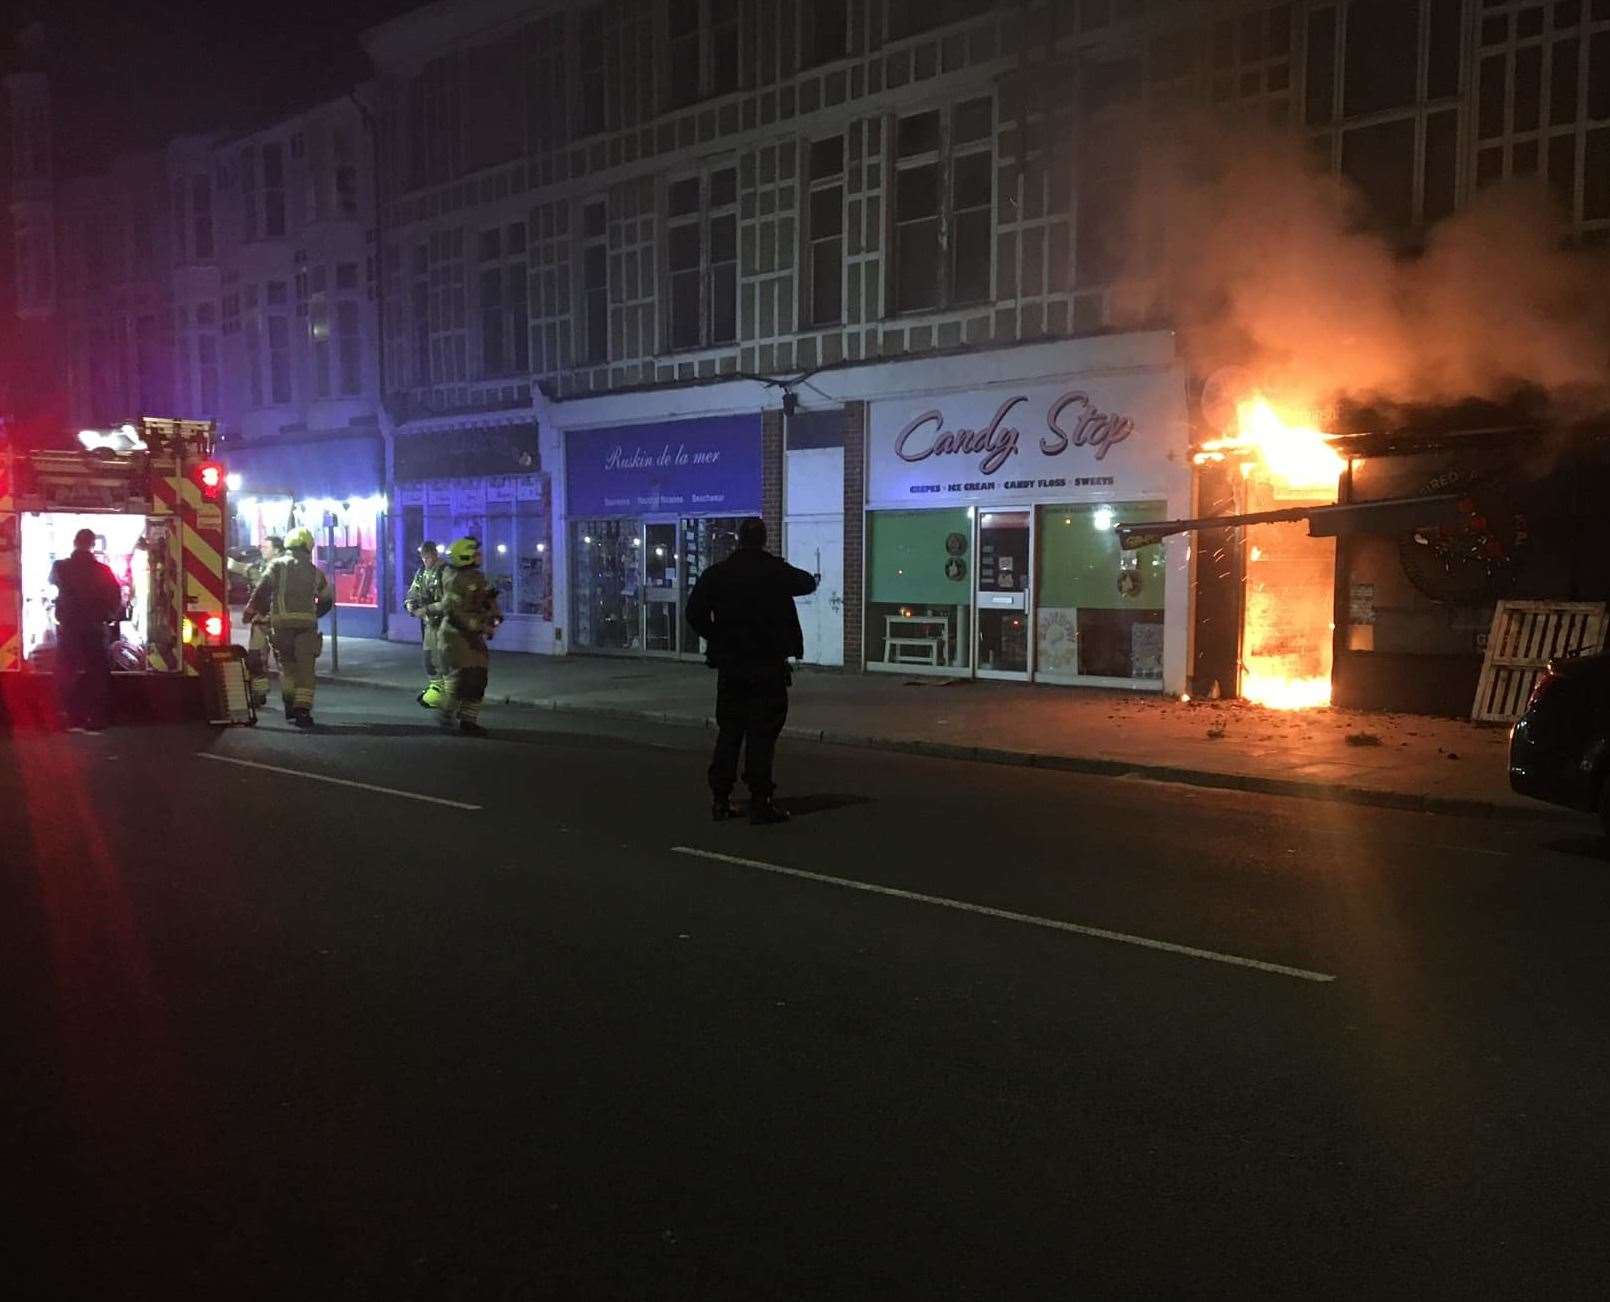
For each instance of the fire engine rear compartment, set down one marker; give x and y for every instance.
(46, 537)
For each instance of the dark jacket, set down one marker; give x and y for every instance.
(744, 608)
(87, 593)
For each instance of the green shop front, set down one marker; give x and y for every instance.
(990, 545)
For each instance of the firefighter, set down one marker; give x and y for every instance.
(293, 595)
(470, 614)
(424, 600)
(272, 547)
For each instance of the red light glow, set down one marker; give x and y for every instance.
(213, 625)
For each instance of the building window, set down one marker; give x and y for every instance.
(682, 32)
(595, 284)
(248, 194)
(725, 46)
(590, 73)
(349, 343)
(419, 311)
(684, 257)
(724, 256)
(824, 33)
(201, 216)
(279, 358)
(207, 373)
(825, 231)
(916, 214)
(972, 175)
(274, 191)
(505, 345)
(318, 329)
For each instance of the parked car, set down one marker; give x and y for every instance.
(1560, 749)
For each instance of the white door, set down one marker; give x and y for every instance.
(816, 544)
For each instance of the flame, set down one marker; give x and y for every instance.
(1286, 631)
(1294, 456)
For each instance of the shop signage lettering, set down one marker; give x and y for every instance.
(1073, 420)
(709, 465)
(637, 459)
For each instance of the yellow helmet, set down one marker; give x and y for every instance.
(299, 540)
(463, 552)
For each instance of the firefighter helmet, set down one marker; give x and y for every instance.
(299, 540)
(463, 552)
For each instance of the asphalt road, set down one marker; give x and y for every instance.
(992, 1033)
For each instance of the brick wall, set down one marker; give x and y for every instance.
(855, 418)
(771, 477)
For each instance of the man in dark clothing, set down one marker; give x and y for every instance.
(743, 607)
(88, 598)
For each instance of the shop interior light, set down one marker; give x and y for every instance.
(234, 480)
(587, 538)
(542, 547)
(1103, 518)
(503, 549)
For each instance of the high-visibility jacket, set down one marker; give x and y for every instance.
(293, 593)
(425, 594)
(469, 614)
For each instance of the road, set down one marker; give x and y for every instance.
(957, 1031)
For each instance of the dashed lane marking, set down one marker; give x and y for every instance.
(338, 782)
(1054, 924)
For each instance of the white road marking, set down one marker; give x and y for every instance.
(339, 782)
(1098, 933)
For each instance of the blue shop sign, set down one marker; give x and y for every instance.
(674, 467)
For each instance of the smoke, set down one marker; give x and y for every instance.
(1267, 262)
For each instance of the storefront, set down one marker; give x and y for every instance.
(990, 549)
(333, 485)
(484, 482)
(648, 508)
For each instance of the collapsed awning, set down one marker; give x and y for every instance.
(330, 466)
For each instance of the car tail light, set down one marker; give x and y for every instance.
(213, 627)
(1546, 680)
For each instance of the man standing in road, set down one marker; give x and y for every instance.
(88, 598)
(424, 600)
(743, 607)
(271, 548)
(294, 595)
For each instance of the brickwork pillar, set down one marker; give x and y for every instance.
(771, 477)
(855, 421)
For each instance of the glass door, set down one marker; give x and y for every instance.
(662, 604)
(1002, 594)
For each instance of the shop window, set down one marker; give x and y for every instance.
(917, 237)
(919, 588)
(606, 585)
(1442, 143)
(590, 72)
(248, 194)
(1442, 60)
(1563, 82)
(684, 259)
(1099, 609)
(723, 277)
(318, 329)
(1321, 81)
(971, 181)
(279, 358)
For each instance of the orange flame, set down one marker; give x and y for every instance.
(1286, 631)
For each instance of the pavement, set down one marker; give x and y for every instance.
(1398, 761)
(379, 1013)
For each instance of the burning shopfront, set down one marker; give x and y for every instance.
(1386, 600)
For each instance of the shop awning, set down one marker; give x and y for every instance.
(335, 467)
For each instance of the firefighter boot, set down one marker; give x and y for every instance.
(302, 718)
(431, 697)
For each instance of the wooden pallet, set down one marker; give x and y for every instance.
(1525, 636)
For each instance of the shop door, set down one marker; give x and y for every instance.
(1002, 594)
(662, 624)
(817, 546)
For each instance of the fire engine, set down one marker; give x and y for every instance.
(154, 496)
